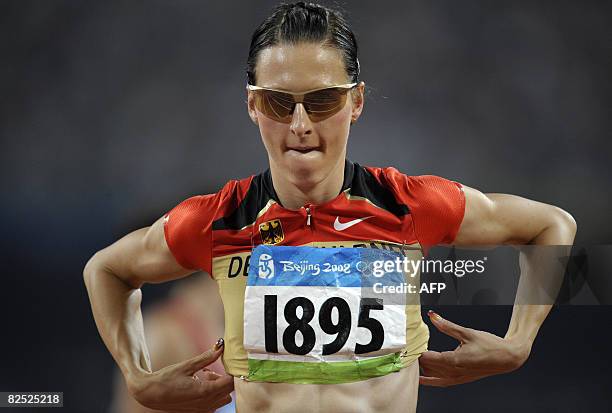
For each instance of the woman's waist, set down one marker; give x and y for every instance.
(387, 393)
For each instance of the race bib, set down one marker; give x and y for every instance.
(310, 317)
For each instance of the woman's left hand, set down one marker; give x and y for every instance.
(479, 354)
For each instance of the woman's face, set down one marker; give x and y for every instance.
(304, 151)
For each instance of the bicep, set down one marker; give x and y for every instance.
(142, 256)
(495, 219)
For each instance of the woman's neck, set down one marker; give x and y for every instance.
(294, 195)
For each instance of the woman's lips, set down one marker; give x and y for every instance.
(304, 153)
(304, 149)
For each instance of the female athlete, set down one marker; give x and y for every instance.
(304, 93)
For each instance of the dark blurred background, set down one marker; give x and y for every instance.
(113, 112)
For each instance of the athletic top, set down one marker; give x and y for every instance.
(217, 232)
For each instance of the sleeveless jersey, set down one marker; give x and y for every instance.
(217, 232)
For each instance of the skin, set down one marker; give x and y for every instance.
(315, 176)
(495, 219)
(167, 339)
(114, 275)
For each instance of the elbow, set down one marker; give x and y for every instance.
(568, 221)
(99, 267)
(558, 227)
(566, 225)
(90, 269)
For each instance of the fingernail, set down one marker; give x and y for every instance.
(434, 315)
(219, 344)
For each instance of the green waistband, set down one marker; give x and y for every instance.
(276, 371)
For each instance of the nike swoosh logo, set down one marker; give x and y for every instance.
(341, 226)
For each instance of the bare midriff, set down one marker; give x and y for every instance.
(395, 392)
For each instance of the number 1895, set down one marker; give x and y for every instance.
(342, 328)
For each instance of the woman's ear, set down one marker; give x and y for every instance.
(357, 95)
(251, 107)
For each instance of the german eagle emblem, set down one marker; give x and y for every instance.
(271, 232)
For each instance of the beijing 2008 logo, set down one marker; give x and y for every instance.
(265, 266)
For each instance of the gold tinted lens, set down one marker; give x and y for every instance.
(319, 105)
(275, 105)
(325, 103)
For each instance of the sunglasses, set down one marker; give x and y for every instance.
(320, 104)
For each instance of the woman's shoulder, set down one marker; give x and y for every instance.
(415, 191)
(392, 176)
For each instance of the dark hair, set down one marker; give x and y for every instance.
(305, 22)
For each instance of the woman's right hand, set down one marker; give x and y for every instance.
(185, 387)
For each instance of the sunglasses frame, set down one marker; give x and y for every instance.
(299, 97)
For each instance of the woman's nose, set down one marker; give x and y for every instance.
(300, 122)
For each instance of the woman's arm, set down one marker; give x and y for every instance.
(494, 219)
(497, 219)
(167, 344)
(113, 277)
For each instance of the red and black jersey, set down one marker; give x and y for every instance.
(376, 208)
